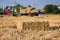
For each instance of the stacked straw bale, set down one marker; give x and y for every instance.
(36, 25)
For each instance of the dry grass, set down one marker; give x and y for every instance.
(13, 34)
(8, 28)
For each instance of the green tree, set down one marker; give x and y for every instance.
(1, 11)
(17, 7)
(51, 9)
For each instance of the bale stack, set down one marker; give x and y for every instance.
(36, 25)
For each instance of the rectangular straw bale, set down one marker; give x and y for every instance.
(35, 25)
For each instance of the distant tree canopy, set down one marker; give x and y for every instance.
(51, 9)
(48, 8)
(17, 7)
(1, 11)
(29, 5)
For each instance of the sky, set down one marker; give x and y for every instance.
(39, 4)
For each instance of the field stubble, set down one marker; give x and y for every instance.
(8, 31)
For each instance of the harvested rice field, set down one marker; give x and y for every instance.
(11, 28)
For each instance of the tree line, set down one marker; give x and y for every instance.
(17, 7)
(52, 9)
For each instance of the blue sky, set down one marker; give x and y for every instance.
(34, 3)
